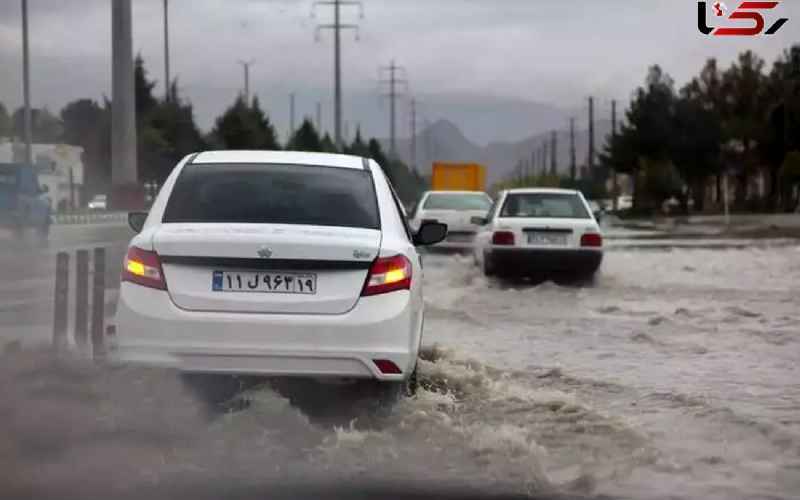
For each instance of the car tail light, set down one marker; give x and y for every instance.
(388, 274)
(591, 240)
(503, 238)
(143, 268)
(387, 367)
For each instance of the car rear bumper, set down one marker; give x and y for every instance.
(150, 329)
(532, 261)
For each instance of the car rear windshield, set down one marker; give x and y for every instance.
(457, 201)
(274, 194)
(545, 205)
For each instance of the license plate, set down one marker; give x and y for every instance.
(264, 282)
(547, 239)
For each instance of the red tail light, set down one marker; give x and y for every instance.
(387, 367)
(388, 274)
(143, 268)
(503, 238)
(591, 240)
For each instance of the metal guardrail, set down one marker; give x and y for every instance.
(89, 218)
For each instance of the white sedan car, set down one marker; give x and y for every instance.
(456, 209)
(275, 263)
(539, 232)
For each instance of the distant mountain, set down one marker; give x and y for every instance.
(444, 141)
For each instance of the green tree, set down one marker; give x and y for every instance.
(407, 184)
(359, 147)
(88, 125)
(305, 138)
(143, 90)
(327, 145)
(45, 128)
(781, 133)
(743, 85)
(170, 133)
(643, 140)
(5, 122)
(790, 172)
(695, 143)
(244, 127)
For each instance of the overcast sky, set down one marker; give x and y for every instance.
(556, 51)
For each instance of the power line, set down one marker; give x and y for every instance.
(337, 27)
(393, 81)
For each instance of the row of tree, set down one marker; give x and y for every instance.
(167, 131)
(738, 122)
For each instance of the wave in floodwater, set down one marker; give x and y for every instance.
(77, 428)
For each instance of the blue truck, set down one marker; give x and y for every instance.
(22, 201)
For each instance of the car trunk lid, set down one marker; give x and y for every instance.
(265, 268)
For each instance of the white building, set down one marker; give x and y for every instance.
(55, 163)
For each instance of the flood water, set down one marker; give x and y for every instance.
(673, 375)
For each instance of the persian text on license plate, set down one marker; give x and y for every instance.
(264, 282)
(551, 239)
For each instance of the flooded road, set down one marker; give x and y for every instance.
(673, 375)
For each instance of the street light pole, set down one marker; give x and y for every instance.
(26, 84)
(166, 51)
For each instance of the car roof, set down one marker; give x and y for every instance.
(456, 192)
(281, 157)
(541, 190)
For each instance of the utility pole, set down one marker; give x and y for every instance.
(590, 162)
(553, 153)
(532, 172)
(291, 115)
(123, 110)
(393, 93)
(413, 135)
(246, 66)
(572, 166)
(545, 154)
(166, 51)
(319, 118)
(337, 27)
(26, 86)
(614, 180)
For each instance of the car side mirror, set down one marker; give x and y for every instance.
(136, 220)
(598, 215)
(479, 221)
(430, 233)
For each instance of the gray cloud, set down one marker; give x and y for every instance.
(554, 52)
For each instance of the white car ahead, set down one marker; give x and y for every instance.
(456, 209)
(539, 232)
(275, 263)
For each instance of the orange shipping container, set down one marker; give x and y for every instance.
(458, 177)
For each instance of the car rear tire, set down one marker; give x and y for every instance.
(487, 267)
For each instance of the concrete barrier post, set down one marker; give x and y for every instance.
(60, 310)
(98, 303)
(82, 301)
